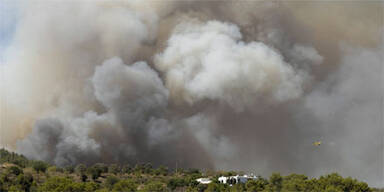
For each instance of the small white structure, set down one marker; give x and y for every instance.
(204, 180)
(236, 179)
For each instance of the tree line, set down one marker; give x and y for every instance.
(17, 173)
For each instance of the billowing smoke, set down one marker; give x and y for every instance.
(234, 85)
(217, 65)
(134, 99)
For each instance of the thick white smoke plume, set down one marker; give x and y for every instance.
(208, 61)
(235, 85)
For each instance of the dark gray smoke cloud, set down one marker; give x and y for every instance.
(234, 85)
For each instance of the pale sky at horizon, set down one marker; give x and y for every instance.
(8, 21)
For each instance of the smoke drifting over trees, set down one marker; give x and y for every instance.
(241, 85)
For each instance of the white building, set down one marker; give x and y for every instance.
(204, 180)
(236, 179)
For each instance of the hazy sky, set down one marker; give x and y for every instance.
(8, 20)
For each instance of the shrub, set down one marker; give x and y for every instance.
(15, 170)
(154, 186)
(114, 169)
(39, 166)
(102, 167)
(176, 182)
(84, 177)
(110, 181)
(125, 185)
(256, 185)
(59, 184)
(80, 169)
(95, 172)
(70, 169)
(59, 169)
(52, 169)
(162, 170)
(212, 187)
(56, 184)
(126, 169)
(25, 181)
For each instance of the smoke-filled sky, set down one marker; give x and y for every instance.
(225, 85)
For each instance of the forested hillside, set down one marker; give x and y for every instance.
(17, 173)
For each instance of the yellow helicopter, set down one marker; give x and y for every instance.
(316, 143)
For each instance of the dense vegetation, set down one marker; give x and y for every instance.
(17, 173)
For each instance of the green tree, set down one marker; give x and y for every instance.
(332, 188)
(295, 182)
(103, 190)
(84, 177)
(192, 171)
(154, 186)
(126, 169)
(56, 184)
(162, 170)
(90, 187)
(11, 157)
(102, 167)
(258, 184)
(59, 169)
(2, 185)
(110, 181)
(275, 182)
(25, 181)
(80, 169)
(173, 183)
(229, 173)
(330, 182)
(125, 185)
(70, 169)
(147, 168)
(361, 187)
(239, 187)
(52, 169)
(212, 187)
(95, 172)
(138, 169)
(15, 188)
(40, 166)
(59, 184)
(114, 169)
(15, 170)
